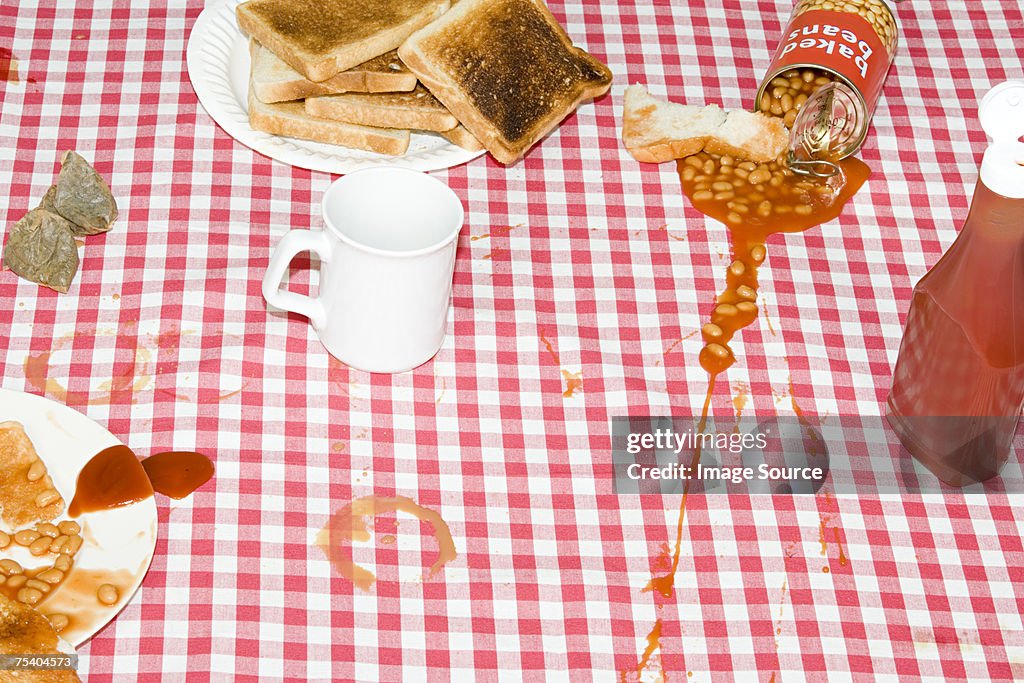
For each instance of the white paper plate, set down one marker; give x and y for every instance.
(218, 64)
(119, 541)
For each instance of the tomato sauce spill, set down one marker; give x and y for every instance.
(112, 478)
(805, 203)
(350, 524)
(178, 473)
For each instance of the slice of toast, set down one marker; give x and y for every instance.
(321, 39)
(654, 130)
(505, 69)
(291, 120)
(27, 493)
(25, 631)
(417, 110)
(463, 138)
(274, 81)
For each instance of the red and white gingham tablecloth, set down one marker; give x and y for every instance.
(578, 247)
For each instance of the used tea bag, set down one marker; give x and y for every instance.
(82, 197)
(41, 248)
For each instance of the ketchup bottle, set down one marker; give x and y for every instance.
(958, 386)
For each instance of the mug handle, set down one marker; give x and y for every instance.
(291, 244)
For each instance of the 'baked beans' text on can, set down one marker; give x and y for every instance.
(852, 42)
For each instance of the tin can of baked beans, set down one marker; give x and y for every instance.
(840, 50)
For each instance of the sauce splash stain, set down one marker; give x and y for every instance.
(177, 474)
(114, 477)
(350, 524)
(8, 66)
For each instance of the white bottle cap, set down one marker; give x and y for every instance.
(1002, 116)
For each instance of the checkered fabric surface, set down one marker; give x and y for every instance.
(577, 259)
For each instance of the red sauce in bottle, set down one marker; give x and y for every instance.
(958, 386)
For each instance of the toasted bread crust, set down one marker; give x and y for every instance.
(321, 39)
(463, 138)
(505, 69)
(275, 81)
(656, 131)
(417, 109)
(17, 494)
(290, 119)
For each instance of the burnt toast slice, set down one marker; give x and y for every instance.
(321, 39)
(506, 69)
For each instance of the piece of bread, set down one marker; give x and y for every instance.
(25, 631)
(417, 109)
(24, 481)
(320, 39)
(274, 81)
(505, 69)
(654, 130)
(462, 137)
(291, 120)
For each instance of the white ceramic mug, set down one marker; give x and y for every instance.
(387, 255)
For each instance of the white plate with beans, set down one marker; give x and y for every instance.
(80, 572)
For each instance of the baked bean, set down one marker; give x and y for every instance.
(16, 581)
(69, 527)
(721, 187)
(727, 161)
(747, 308)
(693, 161)
(108, 594)
(783, 209)
(711, 332)
(9, 566)
(36, 471)
(718, 351)
(40, 586)
(40, 546)
(63, 562)
(703, 195)
(26, 536)
(51, 576)
(725, 196)
(734, 218)
(47, 497)
(29, 596)
(737, 268)
(759, 175)
(803, 209)
(58, 543)
(72, 546)
(47, 529)
(724, 311)
(689, 172)
(5, 539)
(709, 166)
(59, 622)
(758, 253)
(745, 292)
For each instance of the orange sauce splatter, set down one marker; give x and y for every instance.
(653, 644)
(573, 383)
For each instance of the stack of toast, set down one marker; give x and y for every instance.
(485, 74)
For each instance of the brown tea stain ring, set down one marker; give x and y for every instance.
(350, 524)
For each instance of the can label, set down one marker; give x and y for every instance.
(841, 42)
